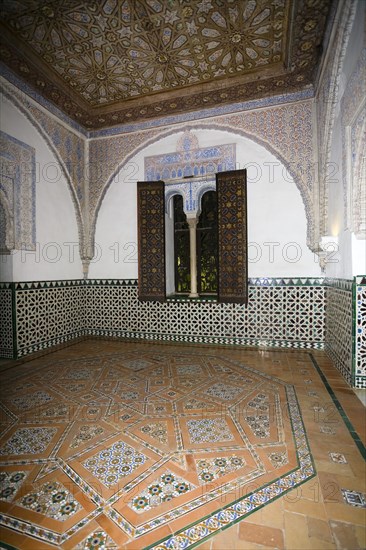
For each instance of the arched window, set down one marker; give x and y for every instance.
(207, 246)
(219, 247)
(181, 247)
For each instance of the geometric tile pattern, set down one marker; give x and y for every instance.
(114, 463)
(38, 398)
(259, 425)
(209, 430)
(47, 316)
(301, 318)
(338, 458)
(6, 321)
(28, 441)
(223, 391)
(10, 483)
(86, 433)
(212, 468)
(288, 313)
(98, 539)
(140, 465)
(338, 331)
(156, 430)
(278, 459)
(52, 500)
(354, 498)
(167, 487)
(360, 329)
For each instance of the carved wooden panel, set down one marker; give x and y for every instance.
(151, 240)
(232, 228)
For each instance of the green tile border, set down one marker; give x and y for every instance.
(8, 546)
(356, 438)
(246, 496)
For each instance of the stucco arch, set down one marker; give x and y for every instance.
(168, 198)
(296, 175)
(12, 98)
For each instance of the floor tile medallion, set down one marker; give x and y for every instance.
(137, 447)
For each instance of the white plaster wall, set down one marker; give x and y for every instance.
(55, 215)
(351, 257)
(276, 215)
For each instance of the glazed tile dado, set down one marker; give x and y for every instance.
(126, 445)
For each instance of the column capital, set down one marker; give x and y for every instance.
(192, 222)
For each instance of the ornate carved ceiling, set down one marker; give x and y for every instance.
(109, 62)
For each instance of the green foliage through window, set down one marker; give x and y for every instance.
(207, 246)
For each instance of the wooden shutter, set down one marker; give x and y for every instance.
(232, 236)
(151, 240)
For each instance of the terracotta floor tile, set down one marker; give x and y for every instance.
(304, 506)
(319, 529)
(260, 534)
(297, 534)
(223, 431)
(361, 535)
(345, 512)
(345, 535)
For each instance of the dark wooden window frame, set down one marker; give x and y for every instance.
(231, 190)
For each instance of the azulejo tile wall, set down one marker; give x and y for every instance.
(360, 331)
(339, 325)
(279, 313)
(47, 313)
(345, 327)
(6, 321)
(285, 313)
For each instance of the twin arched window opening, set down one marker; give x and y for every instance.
(206, 246)
(180, 253)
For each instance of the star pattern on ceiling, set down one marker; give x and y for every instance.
(114, 61)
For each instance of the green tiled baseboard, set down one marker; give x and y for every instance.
(287, 313)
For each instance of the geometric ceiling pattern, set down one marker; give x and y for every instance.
(114, 61)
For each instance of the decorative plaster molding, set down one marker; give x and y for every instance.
(285, 131)
(327, 97)
(44, 125)
(18, 192)
(353, 113)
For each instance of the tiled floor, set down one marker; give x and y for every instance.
(106, 444)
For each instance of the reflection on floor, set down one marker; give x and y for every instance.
(128, 445)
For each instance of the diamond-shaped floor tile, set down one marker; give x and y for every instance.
(52, 500)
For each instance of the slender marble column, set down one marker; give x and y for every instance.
(192, 222)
